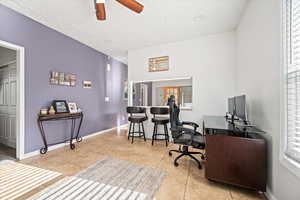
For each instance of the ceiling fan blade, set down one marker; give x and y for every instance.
(132, 5)
(100, 11)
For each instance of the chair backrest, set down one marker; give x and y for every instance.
(135, 110)
(159, 111)
(174, 112)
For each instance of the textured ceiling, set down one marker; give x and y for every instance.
(162, 21)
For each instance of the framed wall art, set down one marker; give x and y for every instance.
(159, 64)
(87, 84)
(125, 94)
(61, 78)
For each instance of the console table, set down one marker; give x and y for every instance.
(235, 154)
(56, 117)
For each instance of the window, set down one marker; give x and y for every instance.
(157, 92)
(291, 140)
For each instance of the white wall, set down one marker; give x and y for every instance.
(209, 60)
(258, 76)
(7, 55)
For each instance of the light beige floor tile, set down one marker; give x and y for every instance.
(185, 182)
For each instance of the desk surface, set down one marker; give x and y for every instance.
(221, 123)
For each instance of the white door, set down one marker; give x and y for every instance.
(8, 101)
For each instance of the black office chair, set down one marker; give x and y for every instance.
(137, 115)
(183, 136)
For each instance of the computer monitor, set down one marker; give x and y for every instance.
(240, 107)
(231, 106)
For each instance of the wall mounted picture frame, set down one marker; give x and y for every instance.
(61, 78)
(60, 106)
(72, 107)
(87, 84)
(159, 64)
(125, 94)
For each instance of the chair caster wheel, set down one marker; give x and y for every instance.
(43, 150)
(176, 164)
(79, 139)
(72, 146)
(170, 154)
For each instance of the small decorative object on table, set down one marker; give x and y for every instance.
(51, 110)
(72, 107)
(60, 106)
(44, 111)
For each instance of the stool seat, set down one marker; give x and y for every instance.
(160, 120)
(137, 119)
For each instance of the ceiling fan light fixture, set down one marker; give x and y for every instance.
(100, 11)
(132, 5)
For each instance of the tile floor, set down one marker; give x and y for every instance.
(7, 153)
(185, 182)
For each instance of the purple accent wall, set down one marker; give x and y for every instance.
(46, 50)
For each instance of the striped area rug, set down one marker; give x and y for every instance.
(124, 174)
(18, 179)
(74, 188)
(108, 179)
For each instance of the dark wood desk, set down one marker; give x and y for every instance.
(55, 117)
(219, 124)
(235, 155)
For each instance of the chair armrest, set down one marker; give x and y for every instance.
(177, 132)
(191, 124)
(185, 130)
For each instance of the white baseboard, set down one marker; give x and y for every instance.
(51, 148)
(269, 195)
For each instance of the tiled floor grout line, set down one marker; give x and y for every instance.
(230, 193)
(187, 180)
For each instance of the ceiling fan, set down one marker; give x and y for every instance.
(131, 4)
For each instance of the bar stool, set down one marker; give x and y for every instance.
(136, 118)
(160, 120)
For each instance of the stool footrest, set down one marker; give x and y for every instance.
(165, 134)
(136, 134)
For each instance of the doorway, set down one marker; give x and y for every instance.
(11, 101)
(8, 103)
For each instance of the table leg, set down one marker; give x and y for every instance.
(78, 138)
(44, 149)
(72, 146)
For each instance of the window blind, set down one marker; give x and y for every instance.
(292, 74)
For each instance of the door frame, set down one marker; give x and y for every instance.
(20, 112)
(144, 89)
